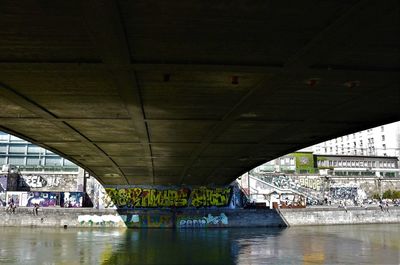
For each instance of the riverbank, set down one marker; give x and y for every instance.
(196, 218)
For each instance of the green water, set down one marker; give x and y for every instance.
(361, 244)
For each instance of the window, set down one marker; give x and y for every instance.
(373, 163)
(383, 137)
(17, 149)
(32, 161)
(340, 163)
(3, 136)
(16, 161)
(3, 148)
(53, 161)
(384, 146)
(33, 149)
(382, 129)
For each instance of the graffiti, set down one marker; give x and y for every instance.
(138, 197)
(3, 183)
(100, 219)
(343, 193)
(312, 183)
(207, 221)
(203, 197)
(72, 199)
(33, 181)
(141, 197)
(44, 199)
(3, 188)
(48, 182)
(156, 221)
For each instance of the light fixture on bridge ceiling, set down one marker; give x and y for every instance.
(312, 82)
(111, 175)
(352, 83)
(249, 115)
(235, 80)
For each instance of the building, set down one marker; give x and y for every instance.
(27, 157)
(379, 141)
(31, 173)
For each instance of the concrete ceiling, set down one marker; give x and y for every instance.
(194, 92)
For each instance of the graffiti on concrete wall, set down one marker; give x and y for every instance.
(43, 199)
(48, 182)
(142, 197)
(343, 193)
(3, 188)
(71, 199)
(204, 197)
(138, 197)
(311, 183)
(205, 221)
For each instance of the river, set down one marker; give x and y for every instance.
(358, 244)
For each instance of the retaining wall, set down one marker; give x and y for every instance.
(144, 218)
(202, 218)
(334, 216)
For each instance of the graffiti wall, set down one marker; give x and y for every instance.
(48, 182)
(71, 199)
(3, 189)
(44, 199)
(202, 221)
(156, 220)
(184, 197)
(311, 182)
(344, 193)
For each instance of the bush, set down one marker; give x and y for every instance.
(391, 194)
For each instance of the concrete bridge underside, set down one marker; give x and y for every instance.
(194, 92)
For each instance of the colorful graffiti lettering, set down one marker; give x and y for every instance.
(203, 197)
(208, 221)
(312, 183)
(140, 197)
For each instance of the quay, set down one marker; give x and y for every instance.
(196, 218)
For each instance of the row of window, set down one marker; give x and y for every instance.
(35, 161)
(22, 149)
(370, 164)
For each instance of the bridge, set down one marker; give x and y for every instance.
(194, 92)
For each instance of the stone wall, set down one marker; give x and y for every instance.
(333, 216)
(149, 218)
(201, 218)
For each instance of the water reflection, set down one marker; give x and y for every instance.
(373, 244)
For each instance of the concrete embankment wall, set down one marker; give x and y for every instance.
(192, 218)
(144, 218)
(335, 216)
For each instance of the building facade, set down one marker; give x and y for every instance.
(27, 157)
(379, 141)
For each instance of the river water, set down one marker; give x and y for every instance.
(359, 244)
